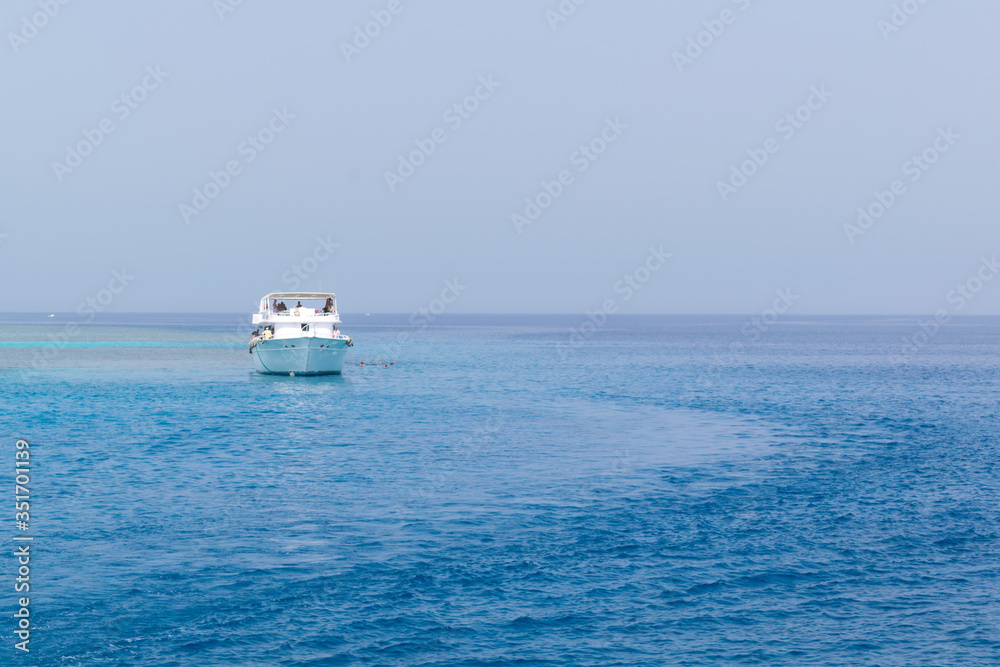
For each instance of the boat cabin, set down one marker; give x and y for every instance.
(316, 317)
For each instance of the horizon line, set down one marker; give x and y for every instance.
(784, 316)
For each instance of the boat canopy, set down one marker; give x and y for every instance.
(300, 295)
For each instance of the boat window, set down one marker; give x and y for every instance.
(305, 327)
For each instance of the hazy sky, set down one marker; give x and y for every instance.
(116, 112)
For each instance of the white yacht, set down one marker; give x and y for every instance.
(297, 339)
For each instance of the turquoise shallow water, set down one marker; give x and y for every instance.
(104, 343)
(669, 491)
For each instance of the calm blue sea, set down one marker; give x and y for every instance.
(653, 491)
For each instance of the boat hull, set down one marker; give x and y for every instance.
(300, 356)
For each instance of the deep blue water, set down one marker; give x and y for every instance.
(669, 491)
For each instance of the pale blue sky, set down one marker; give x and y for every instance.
(342, 125)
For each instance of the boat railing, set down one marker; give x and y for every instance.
(298, 312)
